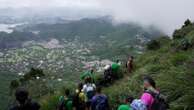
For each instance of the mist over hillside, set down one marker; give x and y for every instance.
(66, 47)
(167, 15)
(61, 39)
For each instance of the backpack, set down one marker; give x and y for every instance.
(90, 94)
(63, 104)
(78, 103)
(138, 105)
(159, 102)
(90, 91)
(101, 103)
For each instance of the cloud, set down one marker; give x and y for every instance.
(48, 3)
(166, 14)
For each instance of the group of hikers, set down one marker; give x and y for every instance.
(111, 71)
(89, 96)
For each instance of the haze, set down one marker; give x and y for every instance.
(166, 14)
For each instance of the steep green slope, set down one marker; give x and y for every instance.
(169, 61)
(170, 65)
(79, 43)
(5, 79)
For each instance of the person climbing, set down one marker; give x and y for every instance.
(65, 102)
(89, 89)
(126, 105)
(79, 100)
(99, 101)
(115, 69)
(23, 102)
(108, 74)
(151, 97)
(88, 74)
(129, 64)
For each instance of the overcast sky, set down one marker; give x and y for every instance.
(167, 14)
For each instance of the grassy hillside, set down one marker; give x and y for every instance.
(171, 65)
(169, 61)
(4, 89)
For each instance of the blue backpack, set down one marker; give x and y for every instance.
(101, 103)
(138, 105)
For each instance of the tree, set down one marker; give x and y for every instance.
(153, 45)
(33, 74)
(187, 23)
(14, 84)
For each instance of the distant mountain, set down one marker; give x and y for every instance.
(96, 29)
(66, 48)
(29, 14)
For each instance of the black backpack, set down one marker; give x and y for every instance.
(159, 102)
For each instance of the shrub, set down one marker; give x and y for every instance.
(179, 59)
(187, 23)
(153, 45)
(33, 73)
(14, 84)
(49, 102)
(182, 44)
(178, 34)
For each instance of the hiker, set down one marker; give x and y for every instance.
(126, 104)
(99, 101)
(107, 74)
(115, 69)
(23, 101)
(65, 102)
(151, 97)
(89, 89)
(88, 74)
(129, 64)
(79, 100)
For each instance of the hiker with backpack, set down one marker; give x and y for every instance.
(65, 102)
(89, 89)
(79, 100)
(126, 104)
(99, 101)
(115, 69)
(108, 74)
(23, 102)
(151, 97)
(88, 74)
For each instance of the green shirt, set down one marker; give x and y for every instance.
(124, 107)
(86, 74)
(115, 67)
(68, 103)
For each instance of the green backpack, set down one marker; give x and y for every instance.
(65, 104)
